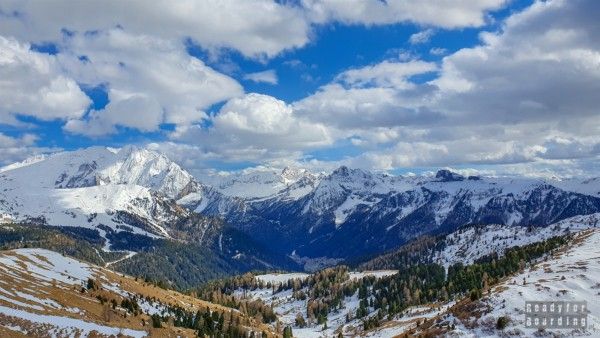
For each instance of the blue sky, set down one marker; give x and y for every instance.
(396, 86)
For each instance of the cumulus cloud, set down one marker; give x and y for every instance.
(445, 14)
(267, 76)
(137, 111)
(149, 81)
(527, 94)
(16, 149)
(373, 96)
(557, 148)
(255, 28)
(543, 67)
(256, 127)
(33, 84)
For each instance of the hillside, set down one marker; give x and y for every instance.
(177, 264)
(469, 243)
(126, 200)
(571, 274)
(458, 284)
(43, 293)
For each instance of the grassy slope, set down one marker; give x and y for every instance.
(23, 289)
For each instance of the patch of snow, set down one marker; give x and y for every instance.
(574, 276)
(280, 278)
(468, 244)
(84, 327)
(375, 273)
(48, 266)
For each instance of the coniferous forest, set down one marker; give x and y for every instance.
(417, 284)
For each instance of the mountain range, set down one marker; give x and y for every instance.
(267, 218)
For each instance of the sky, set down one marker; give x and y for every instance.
(481, 86)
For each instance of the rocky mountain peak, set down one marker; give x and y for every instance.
(293, 174)
(445, 175)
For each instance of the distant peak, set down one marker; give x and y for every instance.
(341, 171)
(350, 174)
(292, 173)
(290, 170)
(445, 175)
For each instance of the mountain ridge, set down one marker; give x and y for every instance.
(289, 210)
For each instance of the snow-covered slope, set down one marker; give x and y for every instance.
(372, 212)
(572, 276)
(102, 166)
(24, 163)
(587, 186)
(263, 182)
(468, 244)
(97, 188)
(45, 294)
(286, 209)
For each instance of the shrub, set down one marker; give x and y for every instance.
(156, 322)
(502, 322)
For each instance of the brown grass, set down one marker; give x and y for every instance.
(18, 279)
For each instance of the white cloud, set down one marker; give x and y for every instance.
(11, 142)
(255, 28)
(380, 95)
(256, 127)
(258, 29)
(16, 149)
(421, 37)
(428, 153)
(149, 81)
(557, 148)
(445, 14)
(134, 111)
(526, 96)
(386, 74)
(438, 51)
(542, 67)
(267, 76)
(33, 84)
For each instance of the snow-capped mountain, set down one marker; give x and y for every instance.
(587, 186)
(129, 199)
(262, 182)
(344, 214)
(99, 188)
(352, 212)
(129, 165)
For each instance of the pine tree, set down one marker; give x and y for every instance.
(287, 332)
